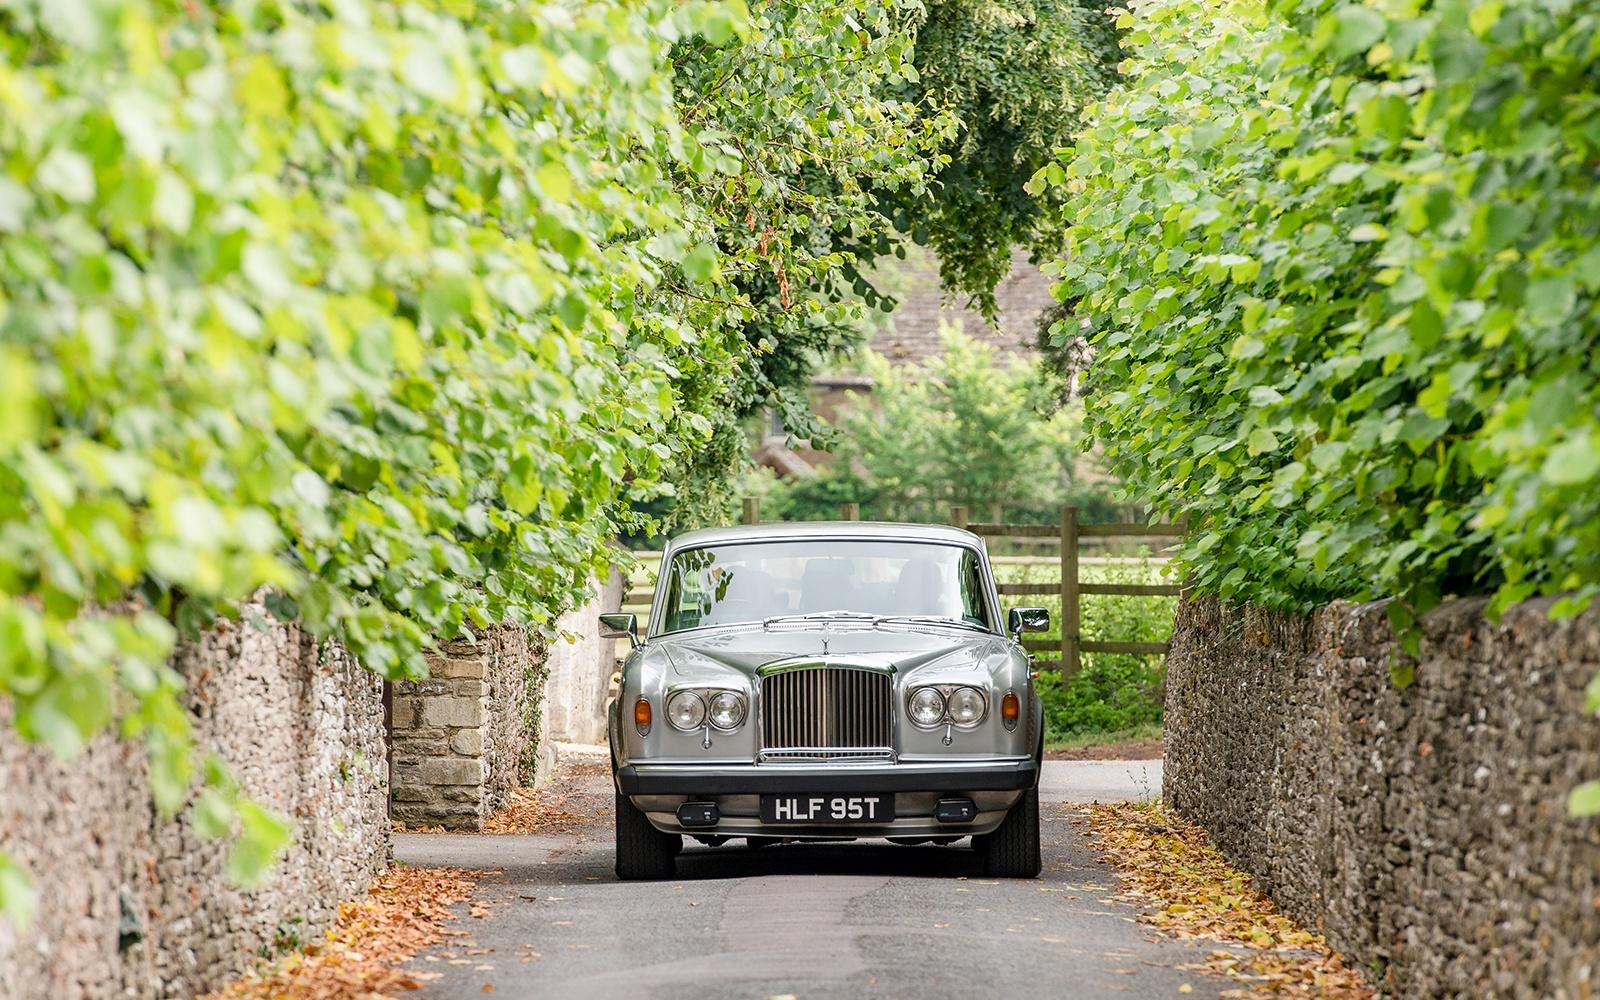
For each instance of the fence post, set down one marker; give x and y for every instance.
(850, 512)
(1069, 593)
(997, 511)
(958, 516)
(752, 511)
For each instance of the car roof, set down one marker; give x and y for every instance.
(787, 530)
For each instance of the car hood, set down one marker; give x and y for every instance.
(906, 650)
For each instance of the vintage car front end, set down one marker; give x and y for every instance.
(844, 722)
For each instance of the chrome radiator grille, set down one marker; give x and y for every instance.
(827, 713)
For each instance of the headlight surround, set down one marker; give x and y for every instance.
(926, 707)
(966, 706)
(726, 710)
(686, 710)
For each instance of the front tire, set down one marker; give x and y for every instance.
(643, 852)
(1012, 851)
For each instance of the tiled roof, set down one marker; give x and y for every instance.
(911, 335)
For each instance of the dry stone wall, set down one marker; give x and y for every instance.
(1424, 829)
(460, 737)
(134, 905)
(486, 718)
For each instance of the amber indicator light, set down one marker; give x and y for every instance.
(641, 714)
(1010, 708)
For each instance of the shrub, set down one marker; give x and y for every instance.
(1340, 264)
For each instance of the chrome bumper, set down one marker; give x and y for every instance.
(706, 780)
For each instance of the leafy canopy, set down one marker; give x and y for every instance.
(808, 103)
(386, 315)
(1016, 74)
(1341, 265)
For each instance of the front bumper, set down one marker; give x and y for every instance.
(989, 774)
(994, 785)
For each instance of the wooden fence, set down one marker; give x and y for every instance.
(1069, 533)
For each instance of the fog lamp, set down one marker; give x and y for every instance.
(686, 711)
(926, 706)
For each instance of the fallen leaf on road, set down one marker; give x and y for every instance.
(402, 913)
(1185, 887)
(559, 807)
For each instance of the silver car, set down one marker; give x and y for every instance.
(826, 682)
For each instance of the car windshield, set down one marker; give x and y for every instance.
(756, 581)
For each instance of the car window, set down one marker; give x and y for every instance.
(972, 588)
(753, 581)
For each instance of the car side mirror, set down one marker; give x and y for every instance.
(1021, 620)
(620, 625)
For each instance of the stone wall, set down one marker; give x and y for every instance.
(1423, 829)
(131, 904)
(460, 738)
(486, 719)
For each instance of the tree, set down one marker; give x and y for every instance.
(970, 428)
(807, 104)
(1017, 75)
(928, 122)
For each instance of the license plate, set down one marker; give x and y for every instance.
(827, 808)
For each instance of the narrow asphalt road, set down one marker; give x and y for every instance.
(804, 921)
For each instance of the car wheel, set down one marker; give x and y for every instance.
(643, 852)
(1012, 851)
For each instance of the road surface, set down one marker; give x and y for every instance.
(806, 921)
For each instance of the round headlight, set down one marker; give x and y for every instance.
(927, 706)
(686, 711)
(727, 709)
(966, 706)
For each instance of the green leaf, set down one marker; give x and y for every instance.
(1584, 800)
(263, 837)
(68, 174)
(1261, 441)
(1575, 460)
(700, 265)
(1357, 28)
(17, 899)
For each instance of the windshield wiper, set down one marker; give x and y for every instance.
(815, 615)
(931, 620)
(874, 620)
